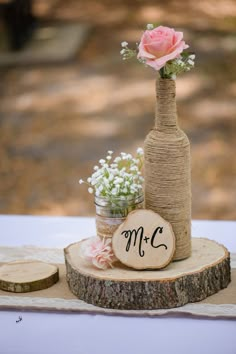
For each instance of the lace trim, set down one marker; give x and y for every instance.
(48, 304)
(50, 255)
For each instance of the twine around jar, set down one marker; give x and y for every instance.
(167, 169)
(111, 214)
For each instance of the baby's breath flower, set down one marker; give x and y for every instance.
(81, 181)
(106, 182)
(100, 188)
(150, 26)
(139, 151)
(114, 191)
(93, 182)
(118, 178)
(190, 62)
(134, 168)
(124, 44)
(126, 52)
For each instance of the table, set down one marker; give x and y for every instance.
(98, 334)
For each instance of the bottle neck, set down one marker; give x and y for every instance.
(166, 112)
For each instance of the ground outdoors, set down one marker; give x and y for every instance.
(58, 120)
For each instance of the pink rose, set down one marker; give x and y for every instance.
(98, 252)
(160, 45)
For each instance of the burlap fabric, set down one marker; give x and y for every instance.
(58, 298)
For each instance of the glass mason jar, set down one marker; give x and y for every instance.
(110, 214)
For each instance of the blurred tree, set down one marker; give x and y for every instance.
(19, 21)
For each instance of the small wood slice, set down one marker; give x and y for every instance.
(204, 273)
(144, 241)
(26, 276)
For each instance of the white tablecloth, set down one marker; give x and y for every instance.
(97, 334)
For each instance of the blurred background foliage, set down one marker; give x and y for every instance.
(57, 120)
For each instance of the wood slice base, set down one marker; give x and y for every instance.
(26, 276)
(203, 274)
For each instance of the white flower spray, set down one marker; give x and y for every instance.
(117, 178)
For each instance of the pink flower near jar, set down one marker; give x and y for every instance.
(98, 252)
(160, 45)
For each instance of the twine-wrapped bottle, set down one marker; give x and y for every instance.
(167, 169)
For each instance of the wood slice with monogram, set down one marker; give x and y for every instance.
(144, 241)
(204, 273)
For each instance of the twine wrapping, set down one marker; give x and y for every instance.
(167, 169)
(109, 215)
(107, 226)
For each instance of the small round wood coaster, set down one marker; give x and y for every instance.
(25, 276)
(203, 274)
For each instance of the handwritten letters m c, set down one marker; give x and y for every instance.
(138, 237)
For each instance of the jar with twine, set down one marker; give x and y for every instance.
(111, 214)
(167, 169)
